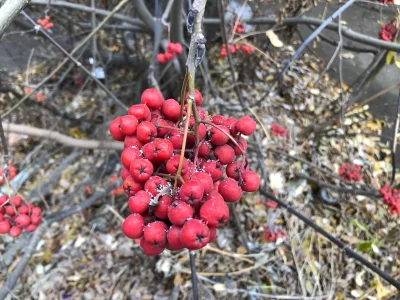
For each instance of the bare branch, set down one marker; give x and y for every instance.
(9, 11)
(61, 138)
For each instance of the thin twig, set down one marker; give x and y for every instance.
(192, 256)
(59, 67)
(70, 57)
(313, 36)
(61, 138)
(348, 251)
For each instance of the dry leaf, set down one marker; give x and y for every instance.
(274, 39)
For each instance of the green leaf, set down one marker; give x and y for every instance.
(364, 247)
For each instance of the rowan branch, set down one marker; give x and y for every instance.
(61, 138)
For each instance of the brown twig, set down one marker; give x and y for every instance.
(61, 138)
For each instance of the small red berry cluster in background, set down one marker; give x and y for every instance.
(388, 31)
(172, 49)
(350, 172)
(239, 27)
(12, 172)
(45, 23)
(278, 130)
(232, 49)
(179, 201)
(386, 1)
(14, 217)
(272, 236)
(391, 197)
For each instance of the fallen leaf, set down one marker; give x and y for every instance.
(274, 39)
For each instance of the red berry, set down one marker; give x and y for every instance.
(214, 213)
(149, 151)
(242, 144)
(128, 155)
(214, 195)
(246, 125)
(139, 203)
(198, 97)
(130, 186)
(140, 111)
(133, 226)
(10, 211)
(173, 164)
(174, 238)
(218, 137)
(205, 179)
(35, 219)
(141, 169)
(161, 58)
(213, 234)
(24, 210)
(194, 234)
(124, 173)
(171, 109)
(128, 124)
(204, 149)
(213, 168)
(160, 124)
(146, 132)
(171, 47)
(218, 119)
(179, 212)
(169, 56)
(225, 154)
(230, 190)
(4, 226)
(1, 217)
(191, 191)
(30, 228)
(132, 141)
(163, 149)
(149, 249)
(155, 184)
(176, 138)
(233, 170)
(152, 98)
(3, 198)
(161, 210)
(115, 130)
(15, 231)
(22, 220)
(36, 211)
(178, 48)
(16, 200)
(155, 233)
(250, 181)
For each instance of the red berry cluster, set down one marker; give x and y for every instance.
(239, 27)
(391, 197)
(232, 49)
(273, 235)
(178, 201)
(12, 172)
(388, 31)
(350, 172)
(14, 216)
(45, 23)
(278, 130)
(386, 1)
(172, 49)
